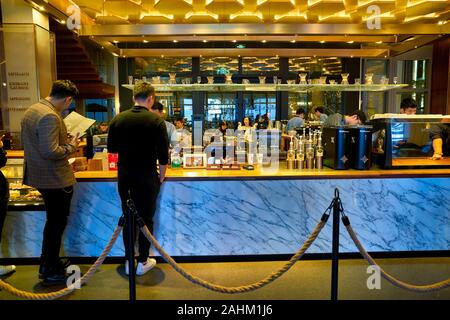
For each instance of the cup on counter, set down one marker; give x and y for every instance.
(250, 158)
(259, 158)
(130, 79)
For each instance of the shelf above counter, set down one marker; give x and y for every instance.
(222, 87)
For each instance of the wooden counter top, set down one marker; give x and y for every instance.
(281, 174)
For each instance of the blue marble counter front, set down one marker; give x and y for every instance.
(248, 217)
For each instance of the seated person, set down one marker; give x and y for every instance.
(440, 135)
(297, 121)
(319, 113)
(357, 117)
(408, 106)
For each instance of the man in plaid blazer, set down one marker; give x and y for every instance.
(47, 149)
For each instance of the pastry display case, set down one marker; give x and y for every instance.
(21, 197)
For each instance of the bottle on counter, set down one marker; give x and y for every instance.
(301, 153)
(291, 156)
(319, 152)
(309, 152)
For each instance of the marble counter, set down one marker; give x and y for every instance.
(251, 217)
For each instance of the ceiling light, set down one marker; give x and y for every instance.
(351, 56)
(293, 41)
(205, 41)
(162, 56)
(175, 41)
(145, 41)
(264, 41)
(115, 41)
(62, 21)
(322, 41)
(234, 41)
(379, 42)
(350, 41)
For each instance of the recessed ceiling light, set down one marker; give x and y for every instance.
(115, 41)
(351, 56)
(145, 41)
(350, 41)
(234, 41)
(293, 41)
(379, 42)
(264, 41)
(162, 56)
(322, 41)
(175, 41)
(205, 41)
(62, 21)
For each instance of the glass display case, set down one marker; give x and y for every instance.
(20, 195)
(404, 140)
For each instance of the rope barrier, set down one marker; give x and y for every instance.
(241, 289)
(63, 292)
(416, 288)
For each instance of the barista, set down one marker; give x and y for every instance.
(408, 106)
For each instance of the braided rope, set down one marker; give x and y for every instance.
(424, 288)
(63, 292)
(241, 289)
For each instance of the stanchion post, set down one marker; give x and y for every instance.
(335, 247)
(131, 227)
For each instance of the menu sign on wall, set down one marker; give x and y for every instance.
(21, 74)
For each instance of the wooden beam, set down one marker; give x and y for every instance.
(258, 52)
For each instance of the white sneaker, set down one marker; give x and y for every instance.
(143, 268)
(4, 270)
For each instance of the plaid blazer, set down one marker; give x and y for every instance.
(44, 139)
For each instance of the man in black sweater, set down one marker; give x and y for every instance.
(140, 138)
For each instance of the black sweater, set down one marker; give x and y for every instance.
(140, 138)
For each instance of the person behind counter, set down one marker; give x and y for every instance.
(4, 197)
(158, 109)
(320, 114)
(297, 121)
(357, 117)
(440, 135)
(140, 138)
(408, 106)
(183, 136)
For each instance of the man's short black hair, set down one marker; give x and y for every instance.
(320, 109)
(300, 111)
(361, 115)
(63, 88)
(158, 106)
(180, 119)
(408, 103)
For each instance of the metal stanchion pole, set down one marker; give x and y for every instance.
(335, 247)
(131, 227)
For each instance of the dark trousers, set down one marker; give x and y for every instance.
(3, 212)
(144, 190)
(57, 205)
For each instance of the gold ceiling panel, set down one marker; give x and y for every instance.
(175, 7)
(225, 7)
(261, 11)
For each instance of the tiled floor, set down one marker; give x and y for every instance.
(306, 280)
